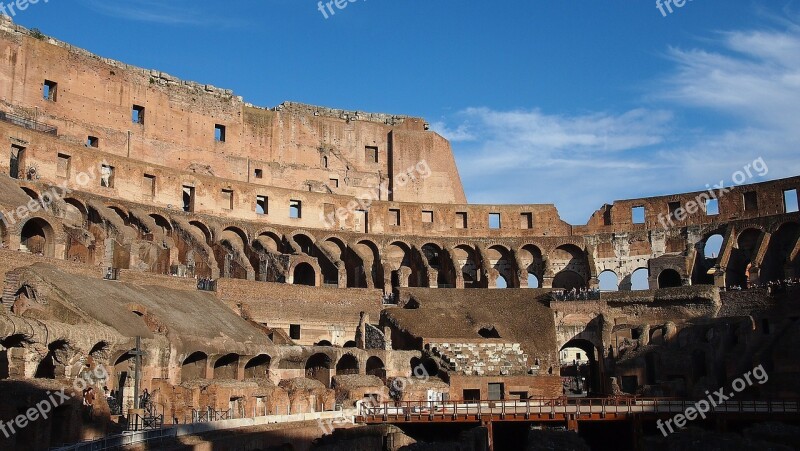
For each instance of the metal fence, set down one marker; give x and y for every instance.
(25, 122)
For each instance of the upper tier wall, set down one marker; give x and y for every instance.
(293, 146)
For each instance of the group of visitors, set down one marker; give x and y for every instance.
(577, 294)
(771, 286)
(206, 284)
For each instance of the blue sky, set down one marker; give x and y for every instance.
(576, 103)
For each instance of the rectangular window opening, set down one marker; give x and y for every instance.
(219, 133)
(188, 198)
(50, 90)
(361, 221)
(149, 185)
(371, 154)
(427, 216)
(637, 214)
(227, 199)
(526, 220)
(295, 209)
(712, 207)
(294, 331)
(17, 162)
(790, 201)
(137, 114)
(494, 220)
(750, 201)
(394, 217)
(262, 205)
(107, 176)
(334, 183)
(63, 165)
(673, 207)
(258, 173)
(461, 220)
(93, 141)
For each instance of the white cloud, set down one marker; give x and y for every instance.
(166, 13)
(581, 161)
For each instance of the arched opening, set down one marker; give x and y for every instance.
(304, 275)
(257, 367)
(204, 230)
(533, 281)
(323, 343)
(375, 367)
(737, 273)
(640, 279)
(500, 259)
(424, 367)
(669, 278)
(567, 280)
(608, 281)
(52, 365)
(706, 262)
(489, 332)
(318, 367)
(404, 272)
(37, 237)
(163, 223)
(530, 257)
(778, 264)
(348, 364)
(75, 213)
(371, 260)
(305, 243)
(713, 246)
(467, 262)
(580, 369)
(194, 367)
(226, 367)
(349, 344)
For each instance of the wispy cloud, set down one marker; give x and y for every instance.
(174, 12)
(581, 161)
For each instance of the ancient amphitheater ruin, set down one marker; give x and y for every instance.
(239, 262)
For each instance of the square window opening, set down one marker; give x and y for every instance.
(334, 183)
(790, 201)
(371, 154)
(219, 133)
(107, 176)
(262, 205)
(461, 220)
(494, 220)
(258, 173)
(394, 217)
(227, 199)
(637, 214)
(712, 207)
(50, 90)
(295, 209)
(427, 216)
(93, 141)
(673, 207)
(137, 114)
(750, 201)
(526, 220)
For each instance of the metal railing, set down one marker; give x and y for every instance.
(558, 408)
(127, 438)
(25, 122)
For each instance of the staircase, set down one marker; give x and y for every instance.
(482, 359)
(10, 289)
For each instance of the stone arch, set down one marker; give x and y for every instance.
(401, 267)
(608, 280)
(742, 256)
(567, 280)
(347, 364)
(258, 367)
(569, 259)
(162, 222)
(194, 366)
(468, 270)
(376, 367)
(38, 237)
(669, 278)
(54, 363)
(75, 212)
(636, 280)
(318, 367)
(231, 254)
(371, 268)
(781, 260)
(304, 274)
(204, 229)
(531, 263)
(502, 265)
(707, 258)
(30, 192)
(227, 367)
(424, 367)
(592, 374)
